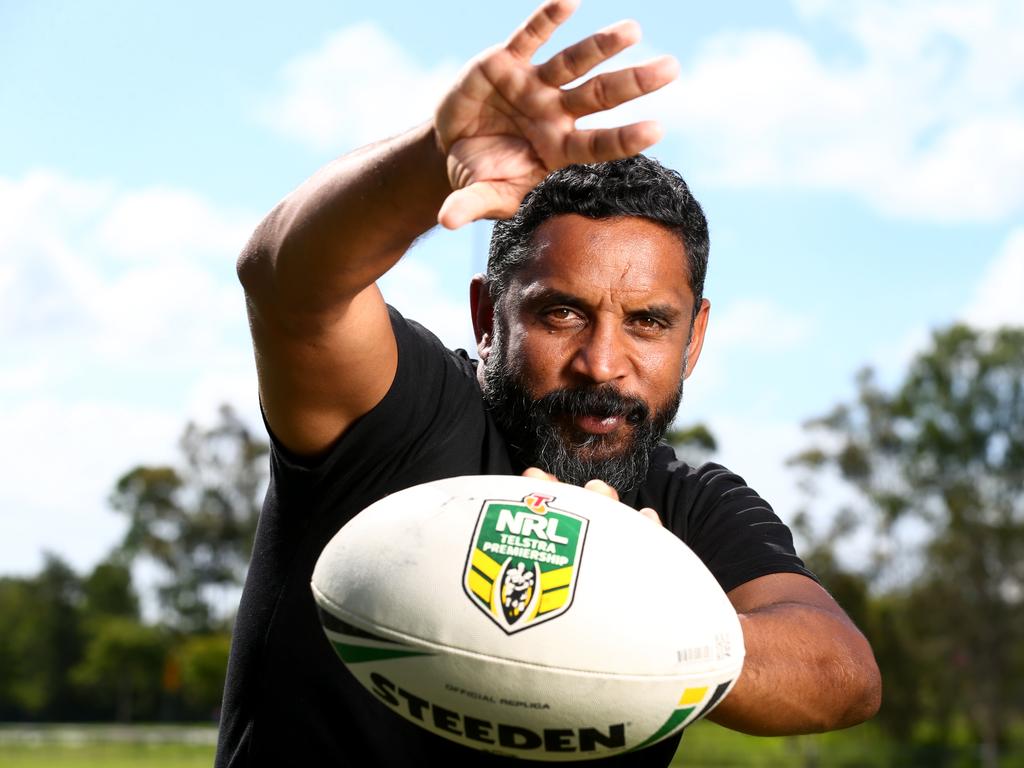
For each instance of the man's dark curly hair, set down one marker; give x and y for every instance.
(634, 186)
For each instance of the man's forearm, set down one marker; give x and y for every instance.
(346, 226)
(807, 670)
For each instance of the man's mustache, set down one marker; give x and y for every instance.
(603, 402)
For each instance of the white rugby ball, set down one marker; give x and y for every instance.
(527, 618)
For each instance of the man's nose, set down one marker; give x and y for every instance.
(601, 356)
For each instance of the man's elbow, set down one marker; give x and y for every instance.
(255, 264)
(867, 699)
(860, 694)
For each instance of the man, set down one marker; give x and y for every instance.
(587, 324)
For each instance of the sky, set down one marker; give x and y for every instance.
(861, 165)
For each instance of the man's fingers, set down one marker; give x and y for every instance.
(601, 487)
(597, 486)
(460, 208)
(539, 474)
(537, 29)
(602, 144)
(609, 90)
(576, 60)
(490, 200)
(651, 515)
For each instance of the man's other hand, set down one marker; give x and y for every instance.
(507, 123)
(597, 486)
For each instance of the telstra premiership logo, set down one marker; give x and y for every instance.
(523, 561)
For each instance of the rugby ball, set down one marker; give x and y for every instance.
(527, 618)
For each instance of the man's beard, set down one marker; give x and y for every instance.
(541, 432)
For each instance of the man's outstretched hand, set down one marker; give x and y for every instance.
(507, 123)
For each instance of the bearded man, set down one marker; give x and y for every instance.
(589, 319)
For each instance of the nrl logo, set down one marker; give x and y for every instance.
(523, 561)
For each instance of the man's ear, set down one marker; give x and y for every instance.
(700, 327)
(482, 308)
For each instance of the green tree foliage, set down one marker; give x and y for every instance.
(108, 591)
(77, 648)
(57, 628)
(694, 444)
(203, 661)
(849, 588)
(22, 687)
(120, 671)
(41, 641)
(197, 521)
(118, 674)
(945, 448)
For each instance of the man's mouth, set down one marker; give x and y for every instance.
(589, 415)
(597, 425)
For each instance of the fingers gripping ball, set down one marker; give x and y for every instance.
(525, 617)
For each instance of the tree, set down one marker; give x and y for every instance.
(946, 448)
(203, 661)
(41, 641)
(197, 521)
(694, 444)
(22, 690)
(118, 674)
(108, 591)
(121, 669)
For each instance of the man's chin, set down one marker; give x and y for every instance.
(592, 447)
(568, 432)
(621, 469)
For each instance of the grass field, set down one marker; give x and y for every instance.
(99, 746)
(704, 746)
(106, 756)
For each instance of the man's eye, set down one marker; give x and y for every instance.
(648, 323)
(560, 314)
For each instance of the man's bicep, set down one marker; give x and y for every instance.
(315, 381)
(777, 588)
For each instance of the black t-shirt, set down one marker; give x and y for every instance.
(288, 699)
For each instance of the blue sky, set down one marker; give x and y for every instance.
(861, 165)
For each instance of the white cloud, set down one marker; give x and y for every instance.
(996, 299)
(96, 274)
(116, 308)
(920, 113)
(415, 288)
(921, 116)
(760, 324)
(120, 320)
(915, 125)
(60, 460)
(170, 224)
(359, 86)
(757, 449)
(999, 295)
(744, 329)
(892, 359)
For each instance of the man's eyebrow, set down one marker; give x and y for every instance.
(543, 295)
(665, 312)
(535, 296)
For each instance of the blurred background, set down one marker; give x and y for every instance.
(861, 165)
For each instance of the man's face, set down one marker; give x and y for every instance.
(584, 364)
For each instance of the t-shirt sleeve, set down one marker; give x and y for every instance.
(734, 531)
(405, 422)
